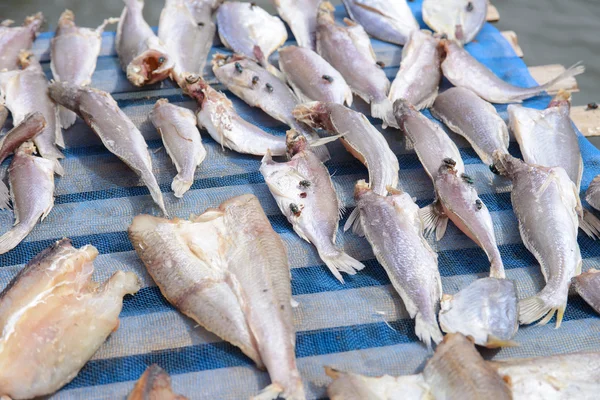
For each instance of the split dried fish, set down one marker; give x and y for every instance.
(217, 115)
(301, 16)
(177, 128)
(228, 270)
(545, 202)
(74, 51)
(464, 70)
(249, 30)
(15, 39)
(348, 49)
(118, 134)
(305, 194)
(587, 286)
(394, 229)
(419, 75)
(592, 195)
(55, 317)
(459, 20)
(313, 78)
(389, 21)
(473, 118)
(154, 384)
(143, 56)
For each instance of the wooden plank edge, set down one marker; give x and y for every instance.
(492, 13)
(511, 38)
(586, 120)
(545, 73)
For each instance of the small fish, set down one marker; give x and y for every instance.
(348, 49)
(545, 202)
(217, 115)
(32, 193)
(388, 21)
(592, 195)
(463, 70)
(118, 134)
(187, 30)
(143, 56)
(228, 270)
(313, 78)
(74, 52)
(459, 20)
(54, 318)
(15, 39)
(419, 75)
(301, 16)
(587, 286)
(394, 229)
(154, 384)
(312, 210)
(473, 118)
(249, 30)
(177, 128)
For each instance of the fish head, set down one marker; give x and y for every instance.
(325, 13)
(151, 66)
(506, 165)
(296, 142)
(315, 114)
(361, 188)
(194, 86)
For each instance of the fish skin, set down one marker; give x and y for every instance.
(545, 202)
(457, 371)
(592, 194)
(473, 118)
(301, 17)
(249, 30)
(3, 115)
(306, 72)
(140, 50)
(419, 75)
(31, 126)
(15, 39)
(587, 286)
(74, 52)
(464, 70)
(118, 134)
(217, 115)
(25, 91)
(348, 49)
(394, 229)
(388, 21)
(228, 270)
(177, 128)
(459, 20)
(317, 205)
(55, 318)
(154, 384)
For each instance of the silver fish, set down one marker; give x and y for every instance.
(217, 115)
(26, 91)
(348, 49)
(313, 78)
(118, 134)
(459, 20)
(394, 229)
(592, 195)
(143, 56)
(473, 118)
(177, 128)
(419, 75)
(54, 319)
(15, 39)
(187, 30)
(74, 51)
(389, 21)
(154, 384)
(301, 16)
(587, 286)
(249, 30)
(464, 70)
(545, 201)
(228, 270)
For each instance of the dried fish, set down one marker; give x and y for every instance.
(55, 317)
(459, 20)
(301, 16)
(592, 195)
(3, 115)
(15, 39)
(154, 384)
(587, 286)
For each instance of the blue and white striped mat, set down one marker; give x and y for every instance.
(361, 326)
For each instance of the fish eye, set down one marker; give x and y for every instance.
(161, 60)
(192, 78)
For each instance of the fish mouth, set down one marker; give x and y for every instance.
(194, 86)
(149, 67)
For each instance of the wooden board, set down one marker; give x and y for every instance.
(492, 13)
(511, 38)
(588, 121)
(545, 73)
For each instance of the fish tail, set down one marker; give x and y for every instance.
(383, 110)
(13, 237)
(497, 268)
(542, 306)
(590, 224)
(573, 70)
(434, 219)
(427, 330)
(4, 195)
(354, 223)
(67, 117)
(341, 261)
(271, 392)
(180, 186)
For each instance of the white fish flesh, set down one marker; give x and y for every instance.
(228, 270)
(390, 21)
(313, 78)
(301, 16)
(73, 53)
(118, 134)
(217, 115)
(419, 75)
(587, 286)
(15, 39)
(177, 128)
(154, 384)
(54, 319)
(459, 20)
(143, 56)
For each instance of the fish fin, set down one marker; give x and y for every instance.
(59, 140)
(67, 119)
(590, 224)
(271, 392)
(294, 303)
(427, 331)
(58, 168)
(384, 111)
(428, 101)
(354, 223)
(342, 262)
(321, 152)
(14, 236)
(4, 196)
(180, 186)
(267, 158)
(535, 307)
(434, 219)
(323, 141)
(494, 342)
(573, 70)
